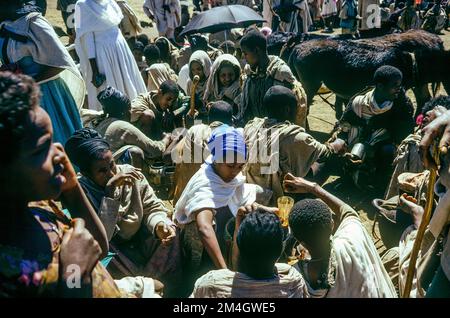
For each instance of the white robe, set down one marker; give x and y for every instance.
(164, 19)
(98, 36)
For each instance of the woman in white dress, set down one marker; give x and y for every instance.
(105, 58)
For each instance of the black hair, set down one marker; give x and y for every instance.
(310, 221)
(164, 48)
(114, 102)
(277, 100)
(137, 46)
(221, 111)
(169, 87)
(198, 42)
(152, 53)
(85, 146)
(19, 94)
(143, 38)
(441, 100)
(260, 242)
(386, 74)
(254, 39)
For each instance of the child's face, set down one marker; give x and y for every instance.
(251, 56)
(227, 76)
(103, 170)
(165, 101)
(197, 69)
(36, 176)
(228, 171)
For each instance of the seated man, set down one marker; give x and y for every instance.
(122, 197)
(258, 242)
(192, 150)
(408, 157)
(298, 152)
(151, 112)
(374, 122)
(128, 143)
(264, 72)
(345, 266)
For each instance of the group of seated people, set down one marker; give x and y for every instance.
(93, 200)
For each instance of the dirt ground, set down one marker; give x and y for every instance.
(321, 120)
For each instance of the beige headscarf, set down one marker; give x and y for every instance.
(159, 73)
(213, 92)
(203, 59)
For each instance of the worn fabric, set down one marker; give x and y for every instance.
(157, 74)
(258, 82)
(407, 160)
(292, 151)
(355, 270)
(223, 283)
(139, 286)
(98, 36)
(120, 134)
(213, 90)
(329, 8)
(134, 205)
(409, 20)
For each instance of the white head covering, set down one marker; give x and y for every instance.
(203, 59)
(212, 90)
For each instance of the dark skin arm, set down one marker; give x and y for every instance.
(47, 72)
(74, 198)
(208, 237)
(299, 185)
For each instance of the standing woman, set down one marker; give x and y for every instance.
(105, 58)
(29, 45)
(224, 81)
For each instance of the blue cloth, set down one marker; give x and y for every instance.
(227, 144)
(62, 109)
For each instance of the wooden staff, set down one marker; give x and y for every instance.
(422, 227)
(195, 82)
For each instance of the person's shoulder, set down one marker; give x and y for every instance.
(212, 280)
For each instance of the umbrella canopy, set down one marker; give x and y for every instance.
(222, 18)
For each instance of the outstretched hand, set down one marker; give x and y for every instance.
(293, 184)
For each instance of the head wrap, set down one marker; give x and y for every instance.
(113, 101)
(227, 145)
(203, 59)
(84, 146)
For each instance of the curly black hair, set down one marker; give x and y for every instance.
(441, 100)
(19, 94)
(310, 220)
(387, 73)
(254, 39)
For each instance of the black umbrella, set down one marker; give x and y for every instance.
(222, 18)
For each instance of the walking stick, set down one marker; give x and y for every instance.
(422, 227)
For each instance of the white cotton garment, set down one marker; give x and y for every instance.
(207, 190)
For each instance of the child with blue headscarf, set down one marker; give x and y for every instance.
(211, 198)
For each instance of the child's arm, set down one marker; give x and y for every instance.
(208, 237)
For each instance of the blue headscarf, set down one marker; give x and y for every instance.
(227, 145)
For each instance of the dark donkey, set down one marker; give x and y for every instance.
(347, 66)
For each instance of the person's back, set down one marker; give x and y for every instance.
(258, 244)
(224, 283)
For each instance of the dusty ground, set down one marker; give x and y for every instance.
(321, 120)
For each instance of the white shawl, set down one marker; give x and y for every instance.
(365, 106)
(207, 190)
(96, 15)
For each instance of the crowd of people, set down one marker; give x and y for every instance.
(138, 167)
